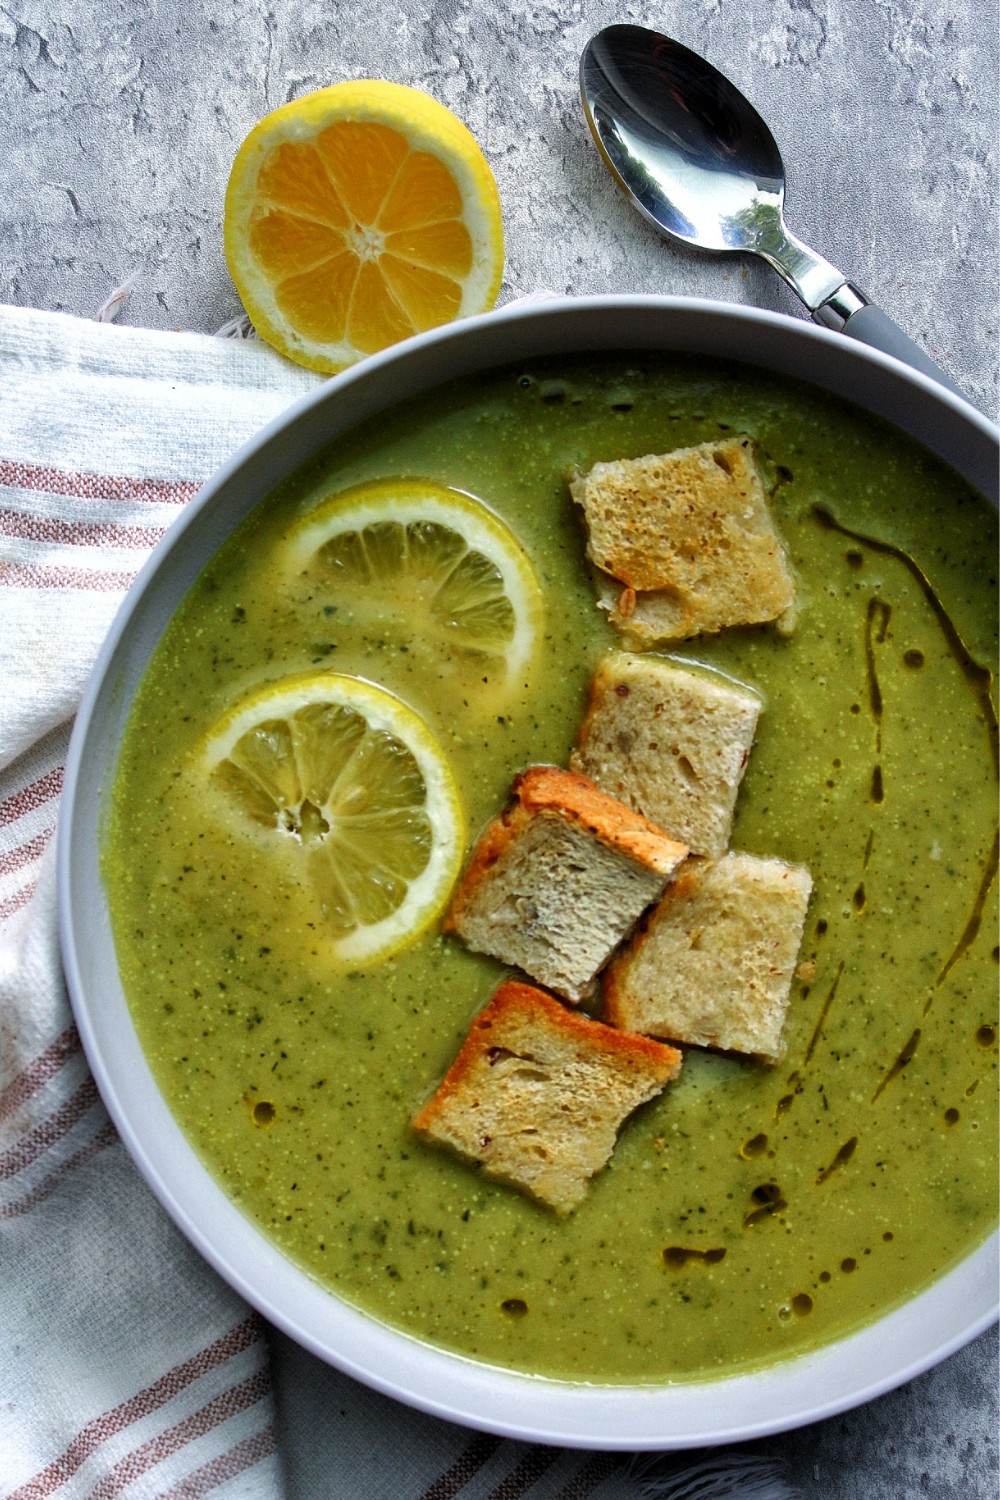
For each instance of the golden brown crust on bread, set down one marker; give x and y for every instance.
(579, 800)
(514, 997)
(537, 1093)
(568, 795)
(559, 878)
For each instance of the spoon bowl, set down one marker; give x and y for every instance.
(662, 115)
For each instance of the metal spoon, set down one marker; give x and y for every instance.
(699, 163)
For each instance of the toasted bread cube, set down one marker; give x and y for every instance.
(670, 743)
(559, 878)
(713, 964)
(687, 540)
(538, 1093)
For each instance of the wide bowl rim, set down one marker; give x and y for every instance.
(728, 1408)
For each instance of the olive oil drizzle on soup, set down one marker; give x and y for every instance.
(749, 1213)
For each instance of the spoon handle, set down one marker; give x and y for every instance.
(834, 302)
(850, 312)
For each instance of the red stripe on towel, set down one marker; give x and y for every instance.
(241, 1456)
(96, 486)
(90, 1438)
(105, 1137)
(237, 1399)
(10, 904)
(23, 854)
(31, 796)
(24, 576)
(76, 533)
(38, 1072)
(32, 1145)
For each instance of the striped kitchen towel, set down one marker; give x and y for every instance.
(129, 1368)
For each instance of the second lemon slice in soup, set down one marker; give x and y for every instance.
(428, 566)
(349, 781)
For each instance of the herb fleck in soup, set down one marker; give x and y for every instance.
(750, 1213)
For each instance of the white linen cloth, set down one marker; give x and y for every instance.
(129, 1369)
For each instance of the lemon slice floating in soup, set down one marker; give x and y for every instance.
(350, 774)
(429, 568)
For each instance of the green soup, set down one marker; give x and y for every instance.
(838, 1183)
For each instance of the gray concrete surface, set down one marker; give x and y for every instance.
(118, 123)
(121, 118)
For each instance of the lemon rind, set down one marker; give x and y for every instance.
(428, 125)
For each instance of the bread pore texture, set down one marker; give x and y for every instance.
(538, 1093)
(670, 743)
(685, 542)
(559, 878)
(712, 964)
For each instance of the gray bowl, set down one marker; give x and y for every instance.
(901, 1344)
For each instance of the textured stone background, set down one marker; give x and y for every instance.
(118, 124)
(121, 117)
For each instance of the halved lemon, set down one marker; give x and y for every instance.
(353, 776)
(358, 215)
(428, 565)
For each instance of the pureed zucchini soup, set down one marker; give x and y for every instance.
(751, 1212)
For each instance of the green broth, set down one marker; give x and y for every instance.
(838, 1183)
